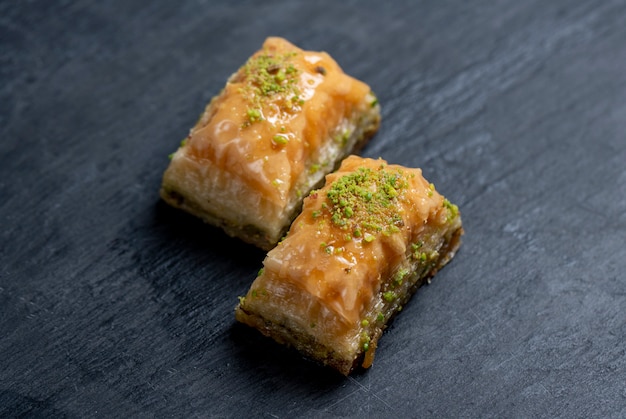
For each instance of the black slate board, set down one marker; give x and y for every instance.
(113, 304)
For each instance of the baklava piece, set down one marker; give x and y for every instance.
(360, 248)
(283, 121)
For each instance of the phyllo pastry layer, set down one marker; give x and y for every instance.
(285, 119)
(361, 246)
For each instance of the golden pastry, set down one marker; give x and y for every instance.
(361, 246)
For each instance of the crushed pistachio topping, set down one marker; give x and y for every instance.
(254, 115)
(270, 77)
(389, 296)
(365, 339)
(453, 210)
(400, 275)
(255, 293)
(431, 187)
(363, 204)
(280, 140)
(420, 256)
(415, 249)
(343, 137)
(374, 101)
(182, 144)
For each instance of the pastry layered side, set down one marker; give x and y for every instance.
(360, 248)
(283, 121)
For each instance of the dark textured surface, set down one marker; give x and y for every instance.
(112, 304)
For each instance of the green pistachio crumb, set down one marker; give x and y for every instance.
(280, 139)
(363, 202)
(393, 229)
(400, 275)
(336, 219)
(261, 271)
(417, 255)
(380, 317)
(453, 210)
(431, 190)
(254, 115)
(280, 76)
(366, 346)
(374, 102)
(345, 136)
(365, 337)
(342, 137)
(389, 296)
(170, 156)
(365, 323)
(267, 77)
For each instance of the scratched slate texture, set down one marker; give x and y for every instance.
(113, 304)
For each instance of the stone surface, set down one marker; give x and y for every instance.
(113, 304)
